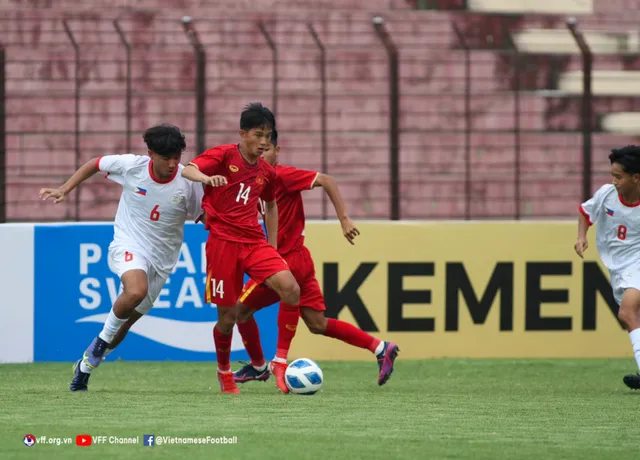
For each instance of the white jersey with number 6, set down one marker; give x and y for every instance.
(151, 213)
(617, 228)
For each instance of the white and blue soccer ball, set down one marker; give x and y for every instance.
(304, 377)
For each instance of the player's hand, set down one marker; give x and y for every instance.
(581, 246)
(216, 181)
(58, 195)
(349, 230)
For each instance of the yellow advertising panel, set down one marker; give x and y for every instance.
(465, 289)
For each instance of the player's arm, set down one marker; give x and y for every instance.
(271, 222)
(330, 186)
(85, 172)
(590, 212)
(192, 173)
(583, 227)
(204, 166)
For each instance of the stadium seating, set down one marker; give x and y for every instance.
(532, 6)
(434, 149)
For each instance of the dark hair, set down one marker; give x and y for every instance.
(628, 157)
(256, 115)
(165, 140)
(274, 137)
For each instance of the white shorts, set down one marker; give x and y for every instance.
(122, 260)
(625, 279)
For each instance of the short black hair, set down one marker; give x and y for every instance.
(628, 157)
(165, 140)
(274, 137)
(256, 115)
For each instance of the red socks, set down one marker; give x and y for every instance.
(251, 339)
(350, 334)
(223, 349)
(287, 324)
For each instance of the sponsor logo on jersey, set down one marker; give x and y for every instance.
(233, 168)
(141, 191)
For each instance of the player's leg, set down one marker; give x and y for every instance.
(385, 352)
(224, 282)
(156, 283)
(628, 314)
(133, 270)
(253, 298)
(312, 312)
(265, 265)
(122, 332)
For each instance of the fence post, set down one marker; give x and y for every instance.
(127, 46)
(274, 53)
(323, 110)
(394, 116)
(517, 70)
(587, 106)
(201, 83)
(3, 139)
(467, 122)
(76, 49)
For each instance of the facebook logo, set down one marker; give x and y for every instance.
(149, 440)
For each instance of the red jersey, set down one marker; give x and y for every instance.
(231, 209)
(289, 184)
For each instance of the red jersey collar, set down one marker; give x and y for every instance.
(251, 165)
(160, 181)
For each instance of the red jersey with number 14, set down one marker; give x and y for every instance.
(231, 209)
(289, 184)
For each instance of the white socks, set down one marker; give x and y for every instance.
(111, 327)
(379, 348)
(635, 343)
(260, 368)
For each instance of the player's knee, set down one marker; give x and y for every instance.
(244, 313)
(136, 294)
(291, 292)
(226, 319)
(627, 316)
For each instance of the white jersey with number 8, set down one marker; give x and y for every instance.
(617, 227)
(151, 213)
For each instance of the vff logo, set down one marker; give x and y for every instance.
(149, 440)
(29, 440)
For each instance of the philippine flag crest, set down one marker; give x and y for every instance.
(141, 191)
(609, 211)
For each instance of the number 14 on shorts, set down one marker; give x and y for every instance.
(217, 288)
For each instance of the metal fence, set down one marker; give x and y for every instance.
(417, 118)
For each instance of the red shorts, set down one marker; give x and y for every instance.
(256, 295)
(227, 262)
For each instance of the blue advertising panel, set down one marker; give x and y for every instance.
(75, 290)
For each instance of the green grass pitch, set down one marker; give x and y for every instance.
(431, 409)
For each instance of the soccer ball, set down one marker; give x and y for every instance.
(303, 377)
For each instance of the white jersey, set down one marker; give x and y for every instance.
(151, 213)
(617, 228)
